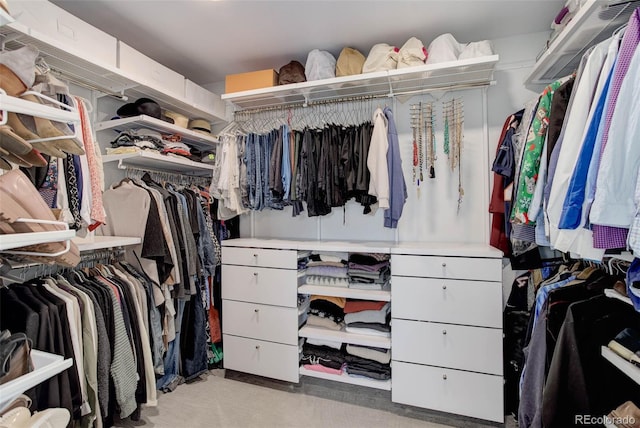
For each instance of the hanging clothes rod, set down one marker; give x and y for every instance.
(296, 105)
(176, 177)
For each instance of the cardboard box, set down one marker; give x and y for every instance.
(252, 80)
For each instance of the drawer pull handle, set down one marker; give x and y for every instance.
(444, 331)
(255, 255)
(257, 346)
(444, 265)
(256, 310)
(444, 376)
(444, 287)
(255, 274)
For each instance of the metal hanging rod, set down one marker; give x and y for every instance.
(133, 172)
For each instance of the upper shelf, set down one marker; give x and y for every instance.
(159, 162)
(192, 138)
(16, 240)
(447, 75)
(594, 22)
(91, 243)
(74, 65)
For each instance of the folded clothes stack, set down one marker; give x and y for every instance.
(368, 271)
(327, 269)
(135, 140)
(21, 200)
(322, 358)
(326, 312)
(365, 317)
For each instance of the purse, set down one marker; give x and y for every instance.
(15, 356)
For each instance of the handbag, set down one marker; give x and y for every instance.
(15, 356)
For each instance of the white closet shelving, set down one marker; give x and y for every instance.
(189, 137)
(92, 243)
(625, 366)
(5, 18)
(383, 295)
(345, 378)
(159, 162)
(45, 364)
(75, 64)
(594, 22)
(447, 75)
(313, 332)
(15, 240)
(18, 105)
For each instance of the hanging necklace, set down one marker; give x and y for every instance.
(431, 141)
(459, 121)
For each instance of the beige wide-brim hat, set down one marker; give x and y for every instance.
(200, 125)
(178, 119)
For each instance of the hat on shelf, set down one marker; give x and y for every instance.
(145, 106)
(178, 119)
(476, 49)
(349, 62)
(200, 125)
(381, 57)
(292, 72)
(412, 53)
(320, 65)
(444, 48)
(18, 69)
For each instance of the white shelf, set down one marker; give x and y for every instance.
(593, 23)
(625, 366)
(18, 105)
(104, 77)
(344, 337)
(383, 295)
(15, 240)
(448, 75)
(100, 242)
(189, 137)
(45, 364)
(5, 18)
(345, 378)
(158, 162)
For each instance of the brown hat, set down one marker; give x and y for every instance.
(291, 73)
(349, 62)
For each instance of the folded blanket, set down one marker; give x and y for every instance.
(324, 369)
(332, 271)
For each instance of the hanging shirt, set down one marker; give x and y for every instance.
(614, 204)
(397, 185)
(377, 159)
(531, 158)
(572, 137)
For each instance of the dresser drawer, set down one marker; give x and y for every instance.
(286, 259)
(261, 358)
(447, 300)
(480, 269)
(454, 391)
(271, 323)
(260, 285)
(475, 349)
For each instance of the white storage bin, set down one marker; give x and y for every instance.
(151, 73)
(203, 99)
(71, 33)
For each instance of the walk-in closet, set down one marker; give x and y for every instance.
(319, 213)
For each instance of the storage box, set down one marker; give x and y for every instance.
(252, 80)
(150, 72)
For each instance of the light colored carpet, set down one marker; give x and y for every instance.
(219, 402)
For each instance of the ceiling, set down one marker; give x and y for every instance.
(206, 40)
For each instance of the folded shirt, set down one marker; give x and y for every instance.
(331, 271)
(374, 354)
(320, 342)
(327, 281)
(368, 258)
(317, 321)
(324, 369)
(379, 316)
(338, 301)
(362, 305)
(369, 331)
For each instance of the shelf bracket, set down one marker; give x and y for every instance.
(306, 101)
(390, 94)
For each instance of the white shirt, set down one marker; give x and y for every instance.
(575, 129)
(377, 160)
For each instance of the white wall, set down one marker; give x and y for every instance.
(432, 215)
